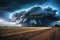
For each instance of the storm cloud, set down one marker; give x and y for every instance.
(46, 16)
(8, 7)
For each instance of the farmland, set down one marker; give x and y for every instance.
(27, 33)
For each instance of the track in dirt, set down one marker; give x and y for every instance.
(52, 34)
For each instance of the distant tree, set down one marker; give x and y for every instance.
(5, 26)
(57, 25)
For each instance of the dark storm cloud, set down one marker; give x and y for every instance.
(58, 2)
(15, 4)
(12, 5)
(37, 9)
(46, 18)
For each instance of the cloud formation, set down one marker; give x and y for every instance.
(6, 23)
(46, 16)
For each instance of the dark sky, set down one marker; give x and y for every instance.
(7, 6)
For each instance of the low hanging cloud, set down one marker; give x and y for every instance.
(6, 23)
(48, 16)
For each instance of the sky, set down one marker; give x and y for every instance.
(7, 23)
(7, 7)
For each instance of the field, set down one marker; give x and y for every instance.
(28, 33)
(15, 30)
